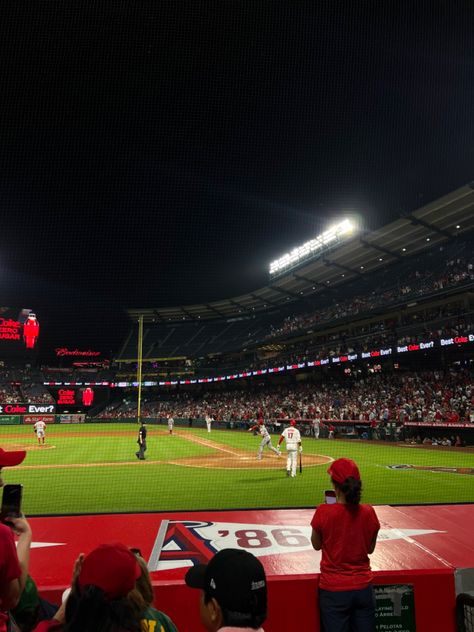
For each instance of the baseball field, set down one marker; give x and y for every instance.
(93, 469)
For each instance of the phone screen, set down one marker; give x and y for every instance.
(11, 501)
(330, 497)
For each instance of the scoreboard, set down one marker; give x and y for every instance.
(78, 398)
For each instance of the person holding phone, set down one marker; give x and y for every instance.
(14, 562)
(346, 533)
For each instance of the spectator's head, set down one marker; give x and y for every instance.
(98, 600)
(345, 477)
(234, 590)
(10, 459)
(143, 585)
(111, 567)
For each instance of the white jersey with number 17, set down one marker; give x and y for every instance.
(292, 437)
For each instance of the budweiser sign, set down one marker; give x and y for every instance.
(64, 351)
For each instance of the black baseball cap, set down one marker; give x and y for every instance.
(236, 579)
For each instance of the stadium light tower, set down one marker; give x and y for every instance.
(313, 248)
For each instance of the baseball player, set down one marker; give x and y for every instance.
(266, 439)
(40, 428)
(170, 424)
(315, 424)
(208, 422)
(292, 437)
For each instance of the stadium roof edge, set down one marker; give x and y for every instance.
(431, 225)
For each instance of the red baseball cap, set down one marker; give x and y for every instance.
(111, 567)
(292, 422)
(9, 459)
(342, 469)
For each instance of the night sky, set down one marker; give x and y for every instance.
(163, 153)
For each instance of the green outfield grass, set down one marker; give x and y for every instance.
(87, 473)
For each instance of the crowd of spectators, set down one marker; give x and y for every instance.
(23, 385)
(430, 323)
(428, 278)
(437, 325)
(73, 374)
(199, 344)
(8, 393)
(110, 589)
(396, 397)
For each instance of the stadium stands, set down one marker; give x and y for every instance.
(429, 275)
(23, 385)
(395, 398)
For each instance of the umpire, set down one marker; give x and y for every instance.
(141, 442)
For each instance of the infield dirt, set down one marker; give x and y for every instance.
(224, 457)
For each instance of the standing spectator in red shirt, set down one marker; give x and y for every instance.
(453, 417)
(346, 532)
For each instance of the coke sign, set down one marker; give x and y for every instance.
(27, 409)
(66, 397)
(13, 409)
(10, 329)
(17, 327)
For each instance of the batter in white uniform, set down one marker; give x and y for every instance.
(292, 437)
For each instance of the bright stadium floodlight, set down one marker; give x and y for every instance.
(313, 247)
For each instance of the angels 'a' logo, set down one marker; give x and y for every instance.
(178, 544)
(433, 468)
(183, 544)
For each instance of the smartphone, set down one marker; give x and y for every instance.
(330, 497)
(11, 501)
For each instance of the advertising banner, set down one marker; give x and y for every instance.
(26, 409)
(66, 397)
(72, 419)
(9, 420)
(13, 409)
(41, 409)
(19, 331)
(32, 419)
(395, 608)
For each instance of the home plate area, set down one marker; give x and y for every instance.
(243, 460)
(230, 458)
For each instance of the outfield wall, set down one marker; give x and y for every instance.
(346, 429)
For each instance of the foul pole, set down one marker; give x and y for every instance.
(139, 367)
